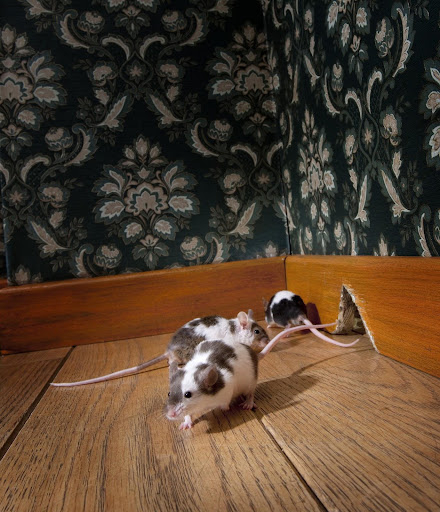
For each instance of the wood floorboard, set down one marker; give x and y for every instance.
(22, 378)
(362, 429)
(335, 429)
(108, 447)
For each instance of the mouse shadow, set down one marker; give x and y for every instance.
(270, 396)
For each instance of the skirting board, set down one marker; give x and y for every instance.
(397, 297)
(80, 311)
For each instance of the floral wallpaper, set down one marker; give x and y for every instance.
(359, 114)
(145, 134)
(136, 135)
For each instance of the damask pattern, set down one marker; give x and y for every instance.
(136, 135)
(146, 134)
(361, 85)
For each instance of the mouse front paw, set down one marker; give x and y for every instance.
(187, 423)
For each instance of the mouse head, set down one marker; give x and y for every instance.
(251, 333)
(192, 390)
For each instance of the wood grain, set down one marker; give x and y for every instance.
(109, 447)
(397, 297)
(79, 311)
(22, 378)
(363, 430)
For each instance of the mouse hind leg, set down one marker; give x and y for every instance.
(248, 402)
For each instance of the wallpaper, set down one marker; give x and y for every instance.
(136, 135)
(147, 134)
(360, 120)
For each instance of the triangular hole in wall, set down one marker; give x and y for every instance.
(349, 318)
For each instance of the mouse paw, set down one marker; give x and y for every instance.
(249, 403)
(225, 407)
(187, 423)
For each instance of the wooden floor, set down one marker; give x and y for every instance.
(335, 429)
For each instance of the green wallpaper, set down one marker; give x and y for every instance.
(146, 134)
(136, 135)
(359, 113)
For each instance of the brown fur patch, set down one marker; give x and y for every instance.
(176, 387)
(220, 355)
(211, 390)
(261, 335)
(183, 344)
(209, 321)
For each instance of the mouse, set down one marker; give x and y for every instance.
(242, 329)
(217, 372)
(285, 309)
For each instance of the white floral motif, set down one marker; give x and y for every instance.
(28, 89)
(318, 182)
(148, 202)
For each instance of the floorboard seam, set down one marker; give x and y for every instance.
(295, 469)
(6, 445)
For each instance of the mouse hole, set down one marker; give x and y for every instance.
(349, 318)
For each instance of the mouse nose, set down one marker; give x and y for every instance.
(171, 414)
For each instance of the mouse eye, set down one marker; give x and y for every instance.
(188, 394)
(256, 331)
(169, 393)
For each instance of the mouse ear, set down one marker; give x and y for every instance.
(265, 303)
(209, 377)
(174, 367)
(243, 319)
(250, 315)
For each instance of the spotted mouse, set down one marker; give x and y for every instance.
(242, 329)
(217, 373)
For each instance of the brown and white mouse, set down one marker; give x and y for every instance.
(217, 373)
(242, 329)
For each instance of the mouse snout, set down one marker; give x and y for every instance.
(173, 412)
(264, 341)
(258, 345)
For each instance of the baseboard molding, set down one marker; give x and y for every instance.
(80, 311)
(397, 297)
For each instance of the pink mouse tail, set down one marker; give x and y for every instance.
(284, 333)
(120, 373)
(326, 338)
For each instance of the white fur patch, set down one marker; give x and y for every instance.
(284, 294)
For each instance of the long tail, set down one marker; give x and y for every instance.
(120, 373)
(326, 338)
(284, 333)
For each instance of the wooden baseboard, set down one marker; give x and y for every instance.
(80, 311)
(397, 297)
